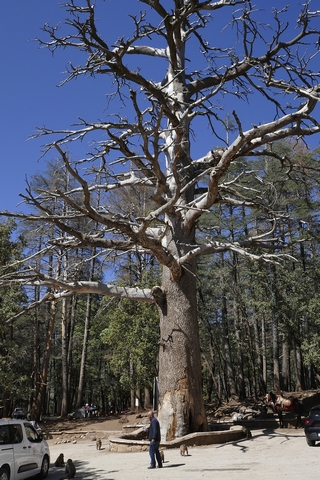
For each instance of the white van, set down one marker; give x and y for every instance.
(23, 451)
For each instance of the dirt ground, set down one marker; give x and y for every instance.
(268, 453)
(84, 430)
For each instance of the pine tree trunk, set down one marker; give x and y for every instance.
(297, 366)
(264, 352)
(240, 371)
(275, 337)
(147, 399)
(85, 337)
(64, 354)
(138, 402)
(7, 403)
(132, 389)
(285, 367)
(276, 366)
(36, 353)
(231, 383)
(259, 349)
(79, 401)
(181, 407)
(41, 390)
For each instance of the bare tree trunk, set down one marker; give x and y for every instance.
(297, 367)
(36, 351)
(260, 357)
(138, 402)
(71, 325)
(240, 380)
(181, 407)
(147, 399)
(285, 367)
(264, 352)
(275, 340)
(132, 389)
(276, 366)
(237, 319)
(211, 366)
(85, 337)
(231, 383)
(84, 352)
(64, 358)
(36, 342)
(41, 388)
(7, 403)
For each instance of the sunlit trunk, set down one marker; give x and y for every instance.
(181, 407)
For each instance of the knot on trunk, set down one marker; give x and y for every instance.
(159, 296)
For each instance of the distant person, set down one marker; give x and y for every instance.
(154, 438)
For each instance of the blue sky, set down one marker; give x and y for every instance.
(28, 93)
(29, 96)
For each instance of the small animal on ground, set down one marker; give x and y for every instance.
(183, 450)
(60, 461)
(247, 432)
(162, 455)
(98, 443)
(70, 470)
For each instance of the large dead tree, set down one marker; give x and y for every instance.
(267, 61)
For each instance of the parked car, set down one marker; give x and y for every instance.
(312, 426)
(19, 413)
(23, 451)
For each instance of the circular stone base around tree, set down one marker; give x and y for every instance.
(132, 442)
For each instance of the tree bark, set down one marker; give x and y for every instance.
(147, 399)
(64, 356)
(240, 368)
(264, 352)
(276, 365)
(36, 351)
(259, 350)
(275, 338)
(41, 390)
(297, 366)
(181, 407)
(84, 352)
(285, 367)
(230, 382)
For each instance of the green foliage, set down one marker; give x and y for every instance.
(14, 337)
(10, 250)
(233, 289)
(132, 336)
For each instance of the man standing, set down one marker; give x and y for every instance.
(154, 438)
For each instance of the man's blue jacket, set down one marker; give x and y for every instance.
(154, 430)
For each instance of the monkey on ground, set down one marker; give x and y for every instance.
(98, 443)
(60, 461)
(162, 455)
(183, 450)
(70, 470)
